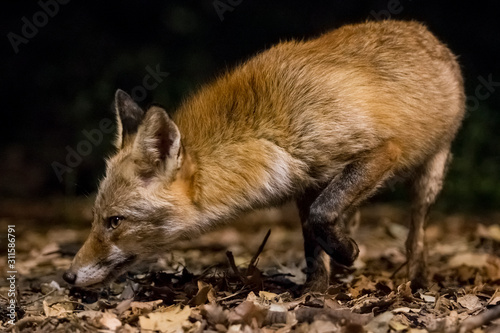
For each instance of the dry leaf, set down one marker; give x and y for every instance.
(322, 326)
(362, 285)
(57, 309)
(469, 259)
(401, 310)
(168, 320)
(470, 302)
(489, 232)
(428, 298)
(214, 314)
(399, 323)
(123, 306)
(246, 313)
(380, 324)
(91, 314)
(110, 321)
(205, 293)
(267, 296)
(143, 307)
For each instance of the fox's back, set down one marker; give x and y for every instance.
(325, 101)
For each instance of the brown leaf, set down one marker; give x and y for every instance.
(169, 319)
(470, 302)
(246, 313)
(144, 307)
(214, 314)
(362, 285)
(110, 321)
(204, 294)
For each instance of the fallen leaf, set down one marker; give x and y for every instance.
(401, 310)
(469, 259)
(470, 302)
(234, 329)
(205, 293)
(143, 307)
(57, 309)
(380, 324)
(168, 320)
(110, 321)
(361, 286)
(399, 323)
(123, 306)
(428, 298)
(91, 314)
(489, 232)
(267, 296)
(322, 326)
(246, 313)
(214, 314)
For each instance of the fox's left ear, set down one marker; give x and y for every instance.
(158, 142)
(129, 116)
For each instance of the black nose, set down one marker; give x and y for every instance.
(69, 277)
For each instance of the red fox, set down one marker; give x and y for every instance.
(323, 122)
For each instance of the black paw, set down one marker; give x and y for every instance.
(341, 248)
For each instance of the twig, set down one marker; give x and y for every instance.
(232, 295)
(481, 319)
(71, 302)
(234, 268)
(307, 314)
(40, 298)
(21, 323)
(251, 266)
(398, 269)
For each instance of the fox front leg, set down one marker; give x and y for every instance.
(323, 225)
(320, 267)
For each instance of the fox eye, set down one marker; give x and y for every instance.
(114, 221)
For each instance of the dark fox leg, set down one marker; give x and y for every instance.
(350, 220)
(426, 186)
(317, 261)
(323, 225)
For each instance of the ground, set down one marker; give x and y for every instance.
(216, 282)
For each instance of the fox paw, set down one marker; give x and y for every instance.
(341, 248)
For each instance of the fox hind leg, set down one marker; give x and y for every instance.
(425, 188)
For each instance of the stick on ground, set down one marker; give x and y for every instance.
(251, 265)
(481, 319)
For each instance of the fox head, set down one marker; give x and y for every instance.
(143, 203)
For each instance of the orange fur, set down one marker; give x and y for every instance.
(288, 120)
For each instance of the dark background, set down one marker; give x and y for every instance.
(62, 80)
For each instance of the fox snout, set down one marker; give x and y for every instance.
(95, 264)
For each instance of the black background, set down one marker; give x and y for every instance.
(62, 80)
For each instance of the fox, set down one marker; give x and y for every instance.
(324, 122)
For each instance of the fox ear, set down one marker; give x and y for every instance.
(129, 116)
(159, 141)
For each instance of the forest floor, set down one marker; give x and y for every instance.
(214, 284)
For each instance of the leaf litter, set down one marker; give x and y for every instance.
(242, 279)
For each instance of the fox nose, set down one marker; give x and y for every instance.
(69, 277)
